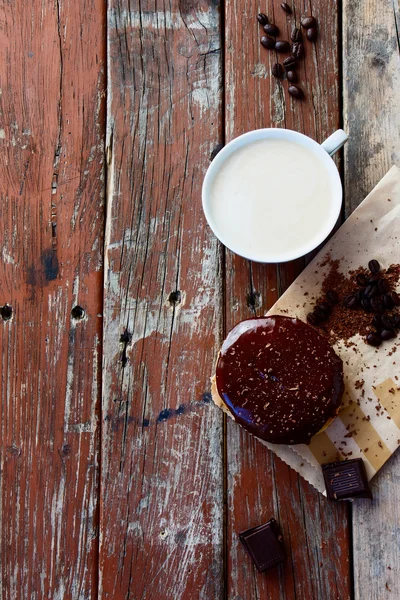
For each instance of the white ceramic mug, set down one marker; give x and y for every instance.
(322, 151)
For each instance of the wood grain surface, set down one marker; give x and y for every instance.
(162, 462)
(52, 101)
(371, 75)
(260, 486)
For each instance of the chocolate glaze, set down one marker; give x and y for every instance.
(279, 378)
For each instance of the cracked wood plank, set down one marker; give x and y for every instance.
(52, 213)
(371, 75)
(161, 498)
(260, 486)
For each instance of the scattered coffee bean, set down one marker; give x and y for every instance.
(359, 295)
(282, 46)
(313, 319)
(361, 279)
(312, 34)
(374, 279)
(374, 339)
(277, 70)
(370, 291)
(376, 305)
(383, 286)
(267, 42)
(298, 50)
(290, 63)
(308, 22)
(295, 91)
(387, 301)
(262, 18)
(350, 301)
(387, 334)
(396, 320)
(387, 322)
(292, 76)
(286, 8)
(326, 308)
(271, 29)
(377, 322)
(331, 294)
(365, 303)
(374, 266)
(395, 298)
(320, 313)
(296, 35)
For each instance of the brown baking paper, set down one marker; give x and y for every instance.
(372, 231)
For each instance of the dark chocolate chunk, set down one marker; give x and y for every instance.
(286, 8)
(374, 266)
(271, 29)
(267, 42)
(346, 479)
(282, 46)
(264, 545)
(374, 339)
(277, 70)
(308, 22)
(331, 295)
(362, 279)
(262, 18)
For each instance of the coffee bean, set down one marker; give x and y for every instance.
(277, 70)
(308, 22)
(326, 308)
(298, 50)
(359, 295)
(387, 334)
(371, 291)
(374, 339)
(320, 313)
(361, 279)
(374, 266)
(313, 319)
(383, 286)
(387, 301)
(267, 42)
(350, 301)
(365, 303)
(374, 279)
(292, 76)
(395, 298)
(330, 294)
(377, 322)
(396, 320)
(282, 46)
(295, 91)
(296, 35)
(290, 63)
(262, 18)
(387, 322)
(312, 34)
(271, 29)
(286, 8)
(376, 305)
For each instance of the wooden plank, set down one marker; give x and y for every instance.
(162, 502)
(259, 485)
(371, 75)
(51, 209)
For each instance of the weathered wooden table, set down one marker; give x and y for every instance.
(119, 479)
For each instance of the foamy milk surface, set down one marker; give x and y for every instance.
(272, 197)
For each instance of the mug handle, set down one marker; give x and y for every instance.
(335, 141)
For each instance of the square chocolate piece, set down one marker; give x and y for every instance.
(264, 544)
(346, 479)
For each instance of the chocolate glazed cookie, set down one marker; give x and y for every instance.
(279, 378)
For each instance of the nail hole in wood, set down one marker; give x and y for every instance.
(6, 312)
(175, 298)
(77, 312)
(254, 300)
